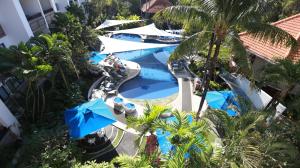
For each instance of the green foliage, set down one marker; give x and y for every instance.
(250, 142)
(80, 37)
(93, 164)
(286, 75)
(279, 9)
(132, 162)
(48, 147)
(77, 11)
(69, 25)
(214, 85)
(98, 11)
(146, 122)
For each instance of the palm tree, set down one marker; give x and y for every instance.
(248, 141)
(55, 49)
(32, 68)
(223, 19)
(146, 122)
(188, 136)
(126, 161)
(285, 74)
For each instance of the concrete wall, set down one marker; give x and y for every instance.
(13, 22)
(45, 4)
(8, 120)
(258, 66)
(30, 7)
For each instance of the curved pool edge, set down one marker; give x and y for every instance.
(129, 67)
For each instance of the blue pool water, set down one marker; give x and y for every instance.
(128, 37)
(96, 57)
(154, 81)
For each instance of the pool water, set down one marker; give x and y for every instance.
(154, 81)
(96, 57)
(127, 37)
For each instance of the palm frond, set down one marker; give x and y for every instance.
(184, 13)
(270, 33)
(191, 46)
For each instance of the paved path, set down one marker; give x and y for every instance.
(128, 145)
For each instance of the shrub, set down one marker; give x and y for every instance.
(214, 85)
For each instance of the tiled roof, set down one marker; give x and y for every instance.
(153, 6)
(270, 51)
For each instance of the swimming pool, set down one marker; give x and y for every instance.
(128, 37)
(154, 81)
(96, 57)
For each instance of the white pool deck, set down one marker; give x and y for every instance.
(185, 101)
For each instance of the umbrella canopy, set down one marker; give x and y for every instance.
(114, 45)
(87, 118)
(215, 99)
(110, 23)
(222, 100)
(149, 30)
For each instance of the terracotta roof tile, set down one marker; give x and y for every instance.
(270, 51)
(154, 6)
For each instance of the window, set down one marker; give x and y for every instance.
(2, 33)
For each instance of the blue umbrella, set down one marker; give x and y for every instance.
(87, 118)
(215, 99)
(221, 100)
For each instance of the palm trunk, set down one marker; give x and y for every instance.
(75, 69)
(64, 78)
(204, 79)
(211, 45)
(212, 67)
(43, 103)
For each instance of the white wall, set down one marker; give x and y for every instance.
(258, 97)
(30, 7)
(13, 22)
(61, 5)
(8, 120)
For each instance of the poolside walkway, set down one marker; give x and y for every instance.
(186, 100)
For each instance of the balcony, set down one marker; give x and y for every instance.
(37, 24)
(49, 15)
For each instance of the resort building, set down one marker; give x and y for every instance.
(22, 19)
(153, 6)
(263, 53)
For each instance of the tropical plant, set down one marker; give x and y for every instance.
(223, 19)
(189, 136)
(126, 161)
(53, 147)
(82, 38)
(32, 68)
(285, 74)
(55, 49)
(146, 122)
(77, 11)
(248, 141)
(93, 164)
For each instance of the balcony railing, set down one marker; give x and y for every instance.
(49, 17)
(37, 22)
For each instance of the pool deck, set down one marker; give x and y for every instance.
(186, 100)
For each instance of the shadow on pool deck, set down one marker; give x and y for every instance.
(127, 146)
